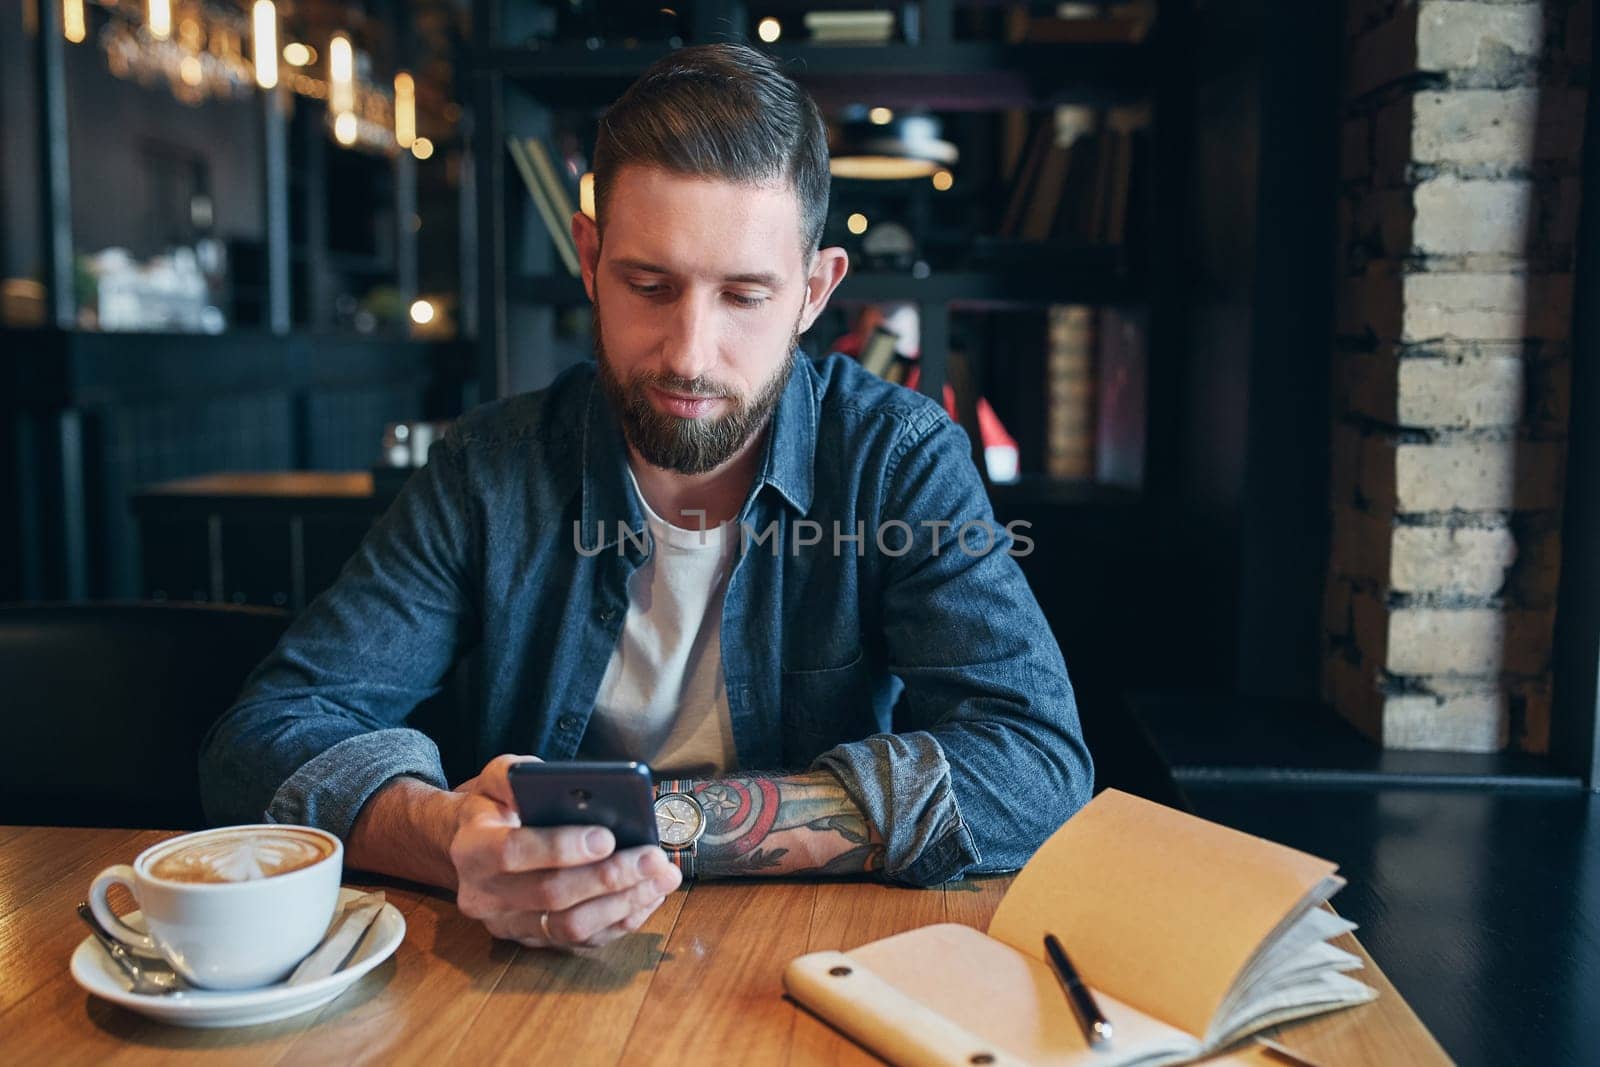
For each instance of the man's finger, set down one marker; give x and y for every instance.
(494, 780)
(577, 926)
(560, 889)
(485, 851)
(622, 929)
(587, 923)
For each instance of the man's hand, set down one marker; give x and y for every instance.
(562, 886)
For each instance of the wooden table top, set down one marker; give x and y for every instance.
(701, 982)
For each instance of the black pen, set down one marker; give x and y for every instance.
(1096, 1028)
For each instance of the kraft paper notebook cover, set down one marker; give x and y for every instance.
(1191, 935)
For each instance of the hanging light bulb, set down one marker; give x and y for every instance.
(73, 27)
(264, 42)
(341, 75)
(422, 148)
(344, 127)
(158, 14)
(405, 110)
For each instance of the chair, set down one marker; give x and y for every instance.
(103, 706)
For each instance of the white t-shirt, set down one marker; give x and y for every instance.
(662, 698)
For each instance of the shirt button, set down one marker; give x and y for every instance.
(607, 614)
(568, 722)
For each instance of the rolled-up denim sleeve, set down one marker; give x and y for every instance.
(987, 756)
(319, 725)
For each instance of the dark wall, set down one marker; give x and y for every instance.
(1284, 546)
(19, 161)
(98, 416)
(1254, 395)
(126, 141)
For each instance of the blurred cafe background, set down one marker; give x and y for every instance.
(1262, 314)
(1274, 319)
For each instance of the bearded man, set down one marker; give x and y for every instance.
(775, 579)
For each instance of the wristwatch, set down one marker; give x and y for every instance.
(680, 823)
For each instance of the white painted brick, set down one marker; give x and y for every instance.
(1455, 35)
(1478, 307)
(1437, 560)
(1485, 306)
(1441, 641)
(1464, 393)
(1473, 476)
(1455, 216)
(1468, 723)
(1475, 126)
(1477, 476)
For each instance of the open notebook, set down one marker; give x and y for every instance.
(1191, 935)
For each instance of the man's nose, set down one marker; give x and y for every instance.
(690, 347)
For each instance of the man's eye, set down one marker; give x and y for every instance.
(747, 301)
(646, 290)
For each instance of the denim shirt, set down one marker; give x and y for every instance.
(866, 630)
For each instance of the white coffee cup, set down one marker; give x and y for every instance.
(217, 911)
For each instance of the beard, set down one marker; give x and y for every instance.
(689, 446)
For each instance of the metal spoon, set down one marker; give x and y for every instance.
(149, 979)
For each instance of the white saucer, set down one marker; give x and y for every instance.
(96, 972)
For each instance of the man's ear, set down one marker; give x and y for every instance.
(586, 233)
(827, 271)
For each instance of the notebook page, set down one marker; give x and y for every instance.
(1155, 906)
(1311, 997)
(1316, 925)
(1003, 996)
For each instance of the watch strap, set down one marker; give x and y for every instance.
(683, 858)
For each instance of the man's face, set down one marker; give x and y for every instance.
(700, 297)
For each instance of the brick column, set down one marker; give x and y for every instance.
(1460, 170)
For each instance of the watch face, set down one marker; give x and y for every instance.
(678, 820)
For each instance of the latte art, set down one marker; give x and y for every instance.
(243, 857)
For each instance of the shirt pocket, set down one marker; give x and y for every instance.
(824, 708)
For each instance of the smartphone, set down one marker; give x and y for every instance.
(579, 793)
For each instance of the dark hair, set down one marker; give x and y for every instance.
(722, 111)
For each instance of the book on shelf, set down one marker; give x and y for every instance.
(1120, 419)
(875, 345)
(1191, 936)
(549, 194)
(849, 27)
(1127, 22)
(1070, 392)
(1075, 181)
(877, 352)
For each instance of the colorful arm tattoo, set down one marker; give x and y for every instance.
(798, 824)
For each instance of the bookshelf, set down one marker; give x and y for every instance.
(529, 309)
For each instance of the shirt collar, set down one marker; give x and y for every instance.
(788, 460)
